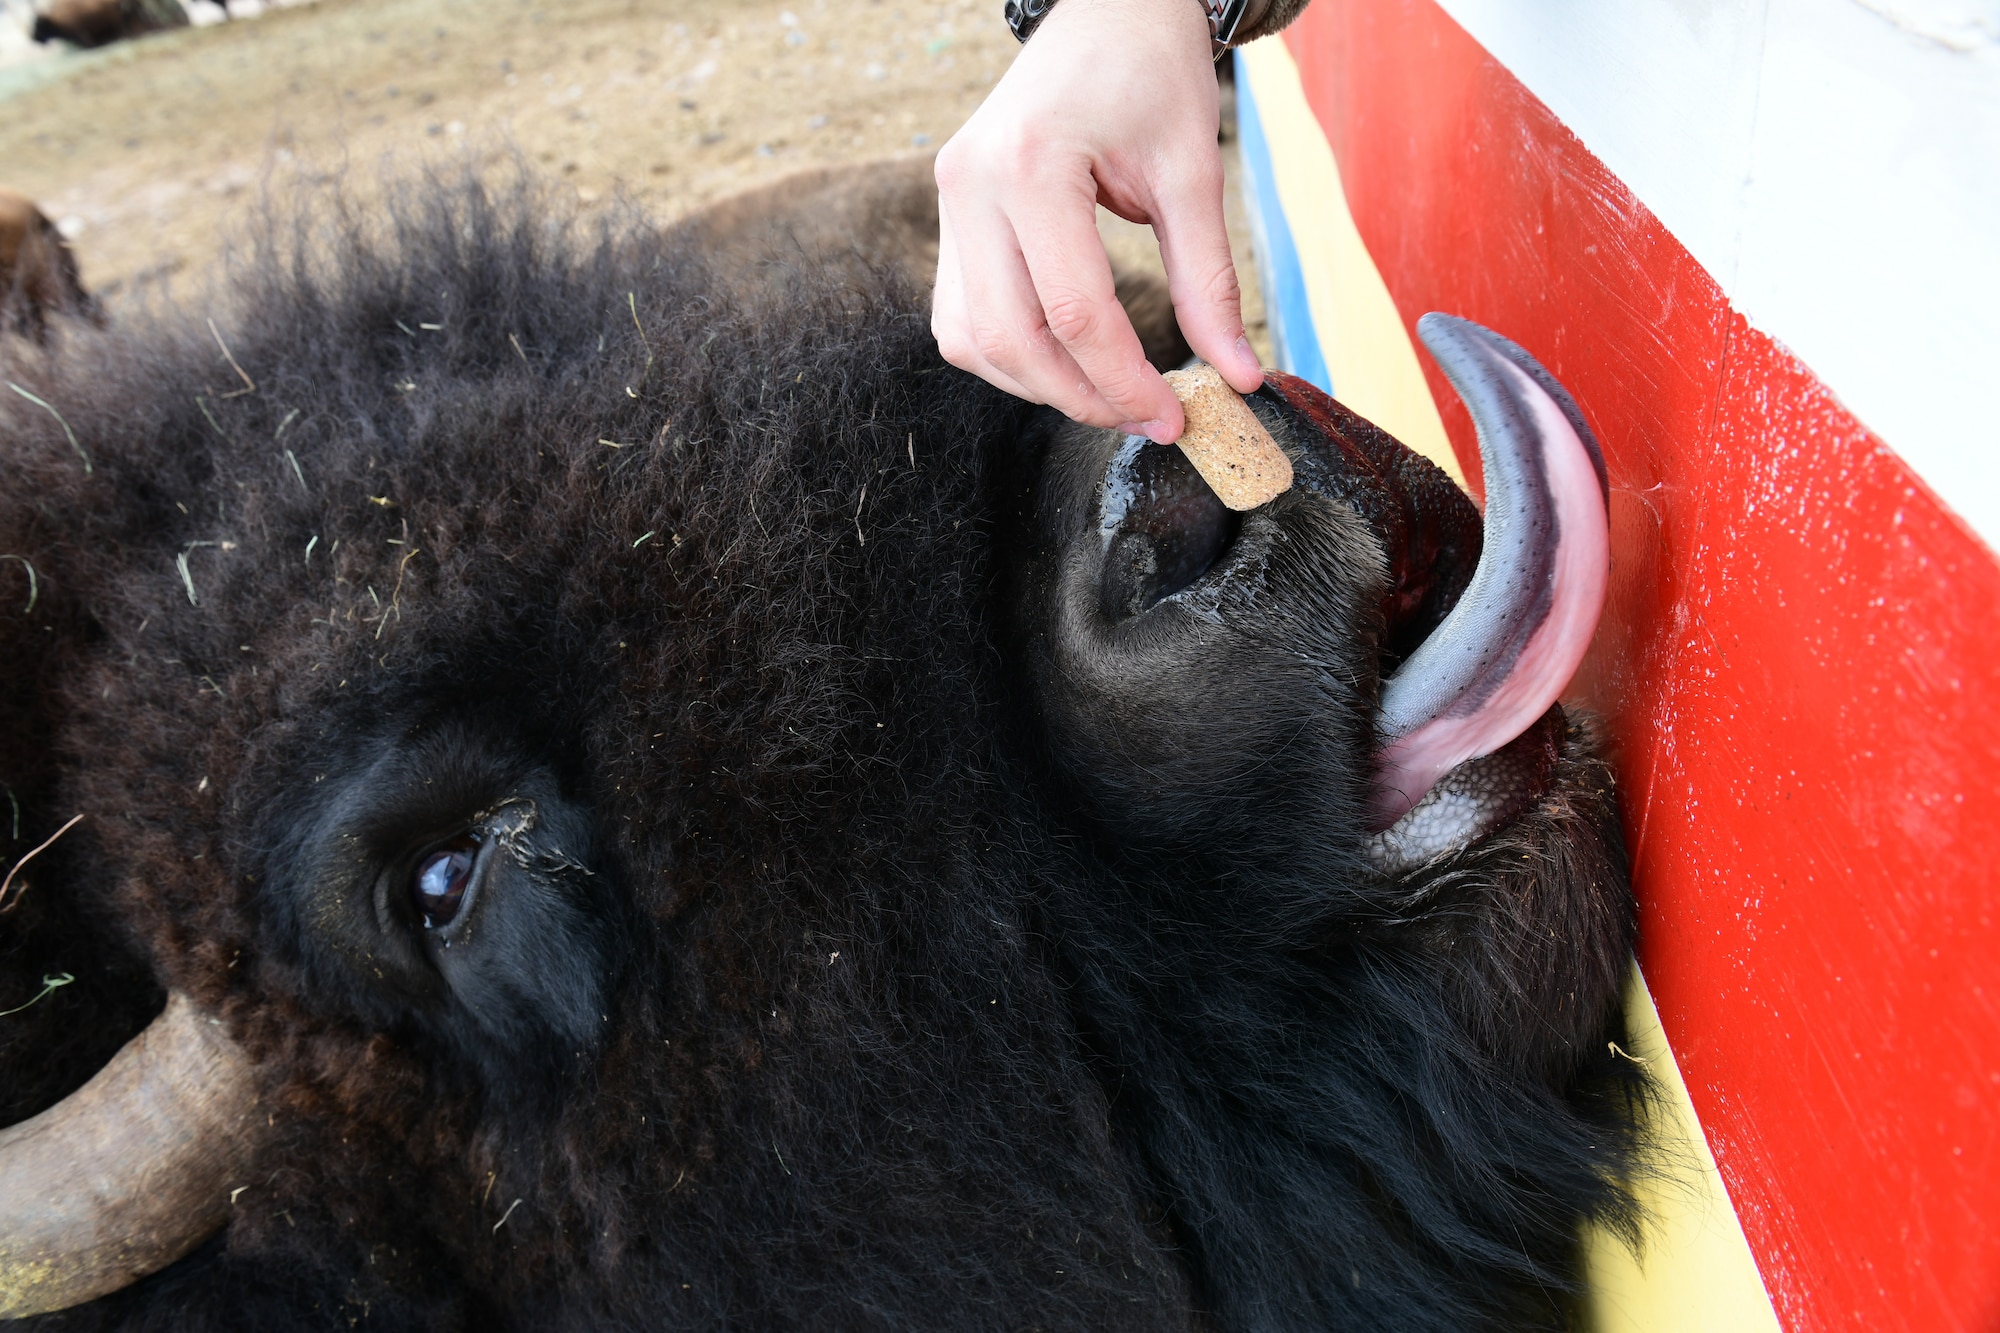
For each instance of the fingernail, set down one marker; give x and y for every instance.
(1154, 430)
(1246, 357)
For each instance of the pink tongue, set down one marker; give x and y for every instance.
(1510, 646)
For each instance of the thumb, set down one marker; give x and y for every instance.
(1201, 276)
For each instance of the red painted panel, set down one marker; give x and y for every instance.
(1801, 667)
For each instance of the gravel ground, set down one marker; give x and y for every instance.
(149, 153)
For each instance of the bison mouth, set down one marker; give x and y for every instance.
(1482, 623)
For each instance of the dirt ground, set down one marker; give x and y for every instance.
(148, 153)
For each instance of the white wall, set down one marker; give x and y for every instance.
(1834, 164)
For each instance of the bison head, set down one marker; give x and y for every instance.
(615, 804)
(38, 274)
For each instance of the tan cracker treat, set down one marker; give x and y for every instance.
(1226, 443)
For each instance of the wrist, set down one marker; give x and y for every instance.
(1220, 19)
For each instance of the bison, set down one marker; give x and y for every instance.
(92, 23)
(876, 216)
(547, 793)
(38, 274)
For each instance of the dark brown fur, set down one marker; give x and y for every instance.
(92, 23)
(38, 273)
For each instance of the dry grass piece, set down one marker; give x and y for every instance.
(1226, 443)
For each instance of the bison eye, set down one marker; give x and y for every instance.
(439, 884)
(1164, 528)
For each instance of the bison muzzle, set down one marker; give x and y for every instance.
(607, 803)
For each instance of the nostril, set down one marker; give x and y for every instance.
(1163, 528)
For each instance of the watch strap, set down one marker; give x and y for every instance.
(1024, 16)
(1224, 18)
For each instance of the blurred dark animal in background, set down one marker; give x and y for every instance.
(90, 23)
(38, 275)
(882, 216)
(606, 802)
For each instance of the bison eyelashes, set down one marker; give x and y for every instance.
(438, 887)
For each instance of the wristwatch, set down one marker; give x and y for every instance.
(1224, 17)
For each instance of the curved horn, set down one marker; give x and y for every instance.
(1521, 627)
(129, 1172)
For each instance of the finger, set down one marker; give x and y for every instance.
(951, 322)
(1005, 323)
(1079, 301)
(1201, 274)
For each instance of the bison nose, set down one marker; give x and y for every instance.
(1161, 525)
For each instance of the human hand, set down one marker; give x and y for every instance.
(1112, 102)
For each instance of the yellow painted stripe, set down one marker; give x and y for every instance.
(1695, 1273)
(1369, 355)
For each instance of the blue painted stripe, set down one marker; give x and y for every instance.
(1294, 341)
